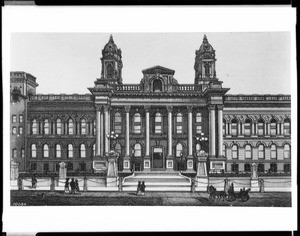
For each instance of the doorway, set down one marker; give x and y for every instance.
(158, 158)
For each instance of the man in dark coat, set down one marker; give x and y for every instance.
(72, 185)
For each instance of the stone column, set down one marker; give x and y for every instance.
(252, 128)
(107, 130)
(243, 128)
(147, 110)
(229, 129)
(169, 108)
(220, 130)
(170, 162)
(267, 129)
(256, 128)
(282, 128)
(238, 128)
(226, 128)
(190, 162)
(212, 131)
(98, 130)
(101, 134)
(190, 130)
(278, 129)
(126, 161)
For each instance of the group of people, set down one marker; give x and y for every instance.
(141, 188)
(73, 184)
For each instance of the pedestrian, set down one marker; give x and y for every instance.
(193, 186)
(33, 181)
(72, 185)
(143, 187)
(67, 186)
(138, 190)
(77, 186)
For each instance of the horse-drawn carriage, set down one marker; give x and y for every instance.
(230, 195)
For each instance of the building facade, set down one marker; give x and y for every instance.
(158, 124)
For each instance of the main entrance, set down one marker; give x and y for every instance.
(158, 158)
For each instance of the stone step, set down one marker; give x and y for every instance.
(157, 184)
(159, 189)
(157, 180)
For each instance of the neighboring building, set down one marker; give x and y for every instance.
(160, 123)
(22, 85)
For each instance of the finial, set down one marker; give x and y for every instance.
(205, 38)
(111, 38)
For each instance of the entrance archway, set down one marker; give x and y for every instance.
(158, 158)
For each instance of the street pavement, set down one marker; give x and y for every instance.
(52, 198)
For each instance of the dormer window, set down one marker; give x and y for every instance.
(157, 85)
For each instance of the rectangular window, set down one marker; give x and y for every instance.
(273, 167)
(247, 129)
(70, 166)
(234, 129)
(118, 129)
(260, 129)
(287, 168)
(14, 130)
(198, 129)
(20, 130)
(261, 168)
(158, 129)
(14, 153)
(247, 167)
(234, 167)
(137, 129)
(179, 129)
(21, 118)
(22, 152)
(14, 119)
(46, 166)
(33, 166)
(273, 129)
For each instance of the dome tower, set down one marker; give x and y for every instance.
(111, 63)
(205, 69)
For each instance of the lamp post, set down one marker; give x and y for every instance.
(181, 162)
(201, 139)
(112, 136)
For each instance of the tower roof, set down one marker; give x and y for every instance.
(205, 46)
(111, 47)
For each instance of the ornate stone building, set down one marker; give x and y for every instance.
(158, 124)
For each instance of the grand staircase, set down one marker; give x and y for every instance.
(158, 181)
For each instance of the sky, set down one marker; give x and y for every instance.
(247, 63)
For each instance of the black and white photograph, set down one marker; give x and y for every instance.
(199, 119)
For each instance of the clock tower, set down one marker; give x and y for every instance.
(111, 63)
(205, 70)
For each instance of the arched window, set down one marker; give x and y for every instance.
(70, 151)
(179, 123)
(198, 123)
(178, 150)
(157, 85)
(46, 126)
(21, 118)
(234, 151)
(287, 151)
(137, 127)
(14, 153)
(260, 168)
(20, 130)
(158, 123)
(94, 149)
(33, 150)
(260, 127)
(82, 151)
(234, 125)
(70, 126)
(137, 150)
(45, 150)
(34, 127)
(261, 151)
(83, 126)
(14, 119)
(118, 123)
(287, 127)
(248, 151)
(58, 126)
(118, 148)
(57, 150)
(273, 151)
(273, 127)
(14, 130)
(247, 127)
